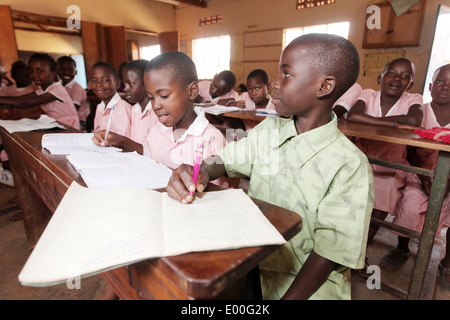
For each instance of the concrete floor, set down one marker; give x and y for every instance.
(14, 252)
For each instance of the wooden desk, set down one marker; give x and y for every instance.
(42, 180)
(440, 175)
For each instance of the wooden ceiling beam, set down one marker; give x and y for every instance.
(198, 3)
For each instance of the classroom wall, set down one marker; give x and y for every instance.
(261, 22)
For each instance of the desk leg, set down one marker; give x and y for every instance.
(430, 225)
(34, 212)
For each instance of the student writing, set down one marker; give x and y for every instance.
(286, 159)
(171, 83)
(220, 90)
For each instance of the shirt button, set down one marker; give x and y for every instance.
(283, 171)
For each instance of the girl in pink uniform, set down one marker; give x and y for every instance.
(171, 84)
(52, 98)
(104, 83)
(142, 116)
(413, 204)
(392, 106)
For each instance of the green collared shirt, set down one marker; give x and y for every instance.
(323, 177)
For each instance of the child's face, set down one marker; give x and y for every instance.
(218, 87)
(171, 103)
(66, 71)
(397, 78)
(103, 83)
(440, 88)
(295, 88)
(40, 73)
(133, 86)
(257, 90)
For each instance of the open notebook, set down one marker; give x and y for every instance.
(95, 230)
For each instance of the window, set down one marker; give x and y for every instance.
(211, 55)
(440, 51)
(339, 28)
(148, 53)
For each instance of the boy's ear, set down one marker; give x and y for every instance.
(192, 90)
(327, 86)
(117, 83)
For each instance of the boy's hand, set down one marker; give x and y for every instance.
(181, 184)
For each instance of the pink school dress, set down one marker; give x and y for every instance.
(62, 109)
(349, 98)
(142, 122)
(79, 97)
(413, 203)
(121, 117)
(162, 147)
(387, 182)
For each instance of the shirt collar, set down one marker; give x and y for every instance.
(138, 108)
(114, 100)
(196, 128)
(70, 84)
(309, 143)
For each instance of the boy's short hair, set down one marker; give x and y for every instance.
(137, 66)
(413, 67)
(229, 78)
(66, 59)
(44, 57)
(180, 65)
(110, 67)
(259, 73)
(332, 55)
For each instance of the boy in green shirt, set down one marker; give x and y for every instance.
(307, 165)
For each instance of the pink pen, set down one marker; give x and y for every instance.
(198, 161)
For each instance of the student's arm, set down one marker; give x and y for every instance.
(410, 121)
(117, 140)
(339, 110)
(27, 100)
(180, 183)
(314, 272)
(231, 103)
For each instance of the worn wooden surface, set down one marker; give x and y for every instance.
(42, 180)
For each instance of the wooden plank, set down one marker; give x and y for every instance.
(8, 53)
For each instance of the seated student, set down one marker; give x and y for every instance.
(22, 82)
(67, 69)
(287, 158)
(52, 98)
(343, 104)
(413, 203)
(142, 116)
(104, 83)
(220, 90)
(171, 83)
(257, 95)
(392, 106)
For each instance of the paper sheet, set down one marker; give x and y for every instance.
(96, 230)
(67, 143)
(23, 125)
